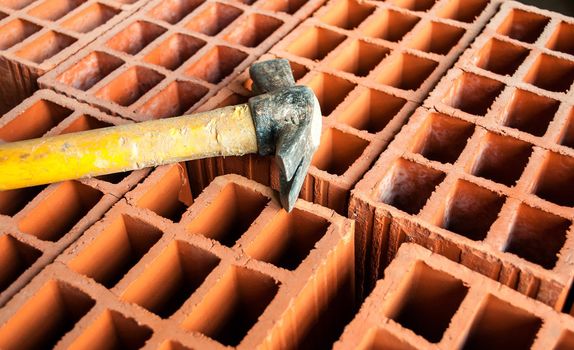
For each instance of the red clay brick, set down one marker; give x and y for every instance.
(491, 136)
(36, 36)
(245, 274)
(427, 301)
(370, 64)
(171, 56)
(37, 223)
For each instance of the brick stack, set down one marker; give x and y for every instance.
(482, 173)
(464, 223)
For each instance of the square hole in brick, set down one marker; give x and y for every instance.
(389, 25)
(408, 185)
(437, 38)
(174, 51)
(15, 258)
(315, 43)
(470, 210)
(90, 18)
(214, 18)
(537, 236)
(15, 4)
(463, 10)
(16, 31)
(359, 58)
(415, 5)
(567, 137)
(500, 325)
(524, 26)
(175, 100)
(35, 121)
(83, 123)
(406, 71)
(230, 215)
(288, 239)
(563, 39)
(217, 64)
(60, 211)
(65, 305)
(128, 87)
(52, 10)
(551, 73)
(530, 113)
(45, 46)
(426, 300)
(135, 37)
(171, 278)
(12, 201)
(442, 138)
(170, 196)
(501, 159)
(473, 94)
(89, 70)
(338, 151)
(173, 11)
(330, 91)
(253, 30)
(566, 341)
(242, 296)
(298, 70)
(288, 6)
(347, 14)
(501, 57)
(371, 111)
(555, 180)
(116, 250)
(113, 330)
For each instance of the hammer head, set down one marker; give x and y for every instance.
(287, 122)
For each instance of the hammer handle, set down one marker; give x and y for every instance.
(222, 132)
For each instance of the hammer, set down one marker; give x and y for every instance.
(282, 119)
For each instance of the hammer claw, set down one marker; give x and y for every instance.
(289, 189)
(291, 149)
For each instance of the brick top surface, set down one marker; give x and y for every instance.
(216, 275)
(485, 164)
(426, 301)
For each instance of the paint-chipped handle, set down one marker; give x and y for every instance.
(222, 132)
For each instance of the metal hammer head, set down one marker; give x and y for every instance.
(287, 122)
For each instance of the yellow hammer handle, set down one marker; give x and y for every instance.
(221, 132)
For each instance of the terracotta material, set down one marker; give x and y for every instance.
(37, 223)
(481, 173)
(138, 279)
(170, 57)
(370, 64)
(427, 301)
(37, 36)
